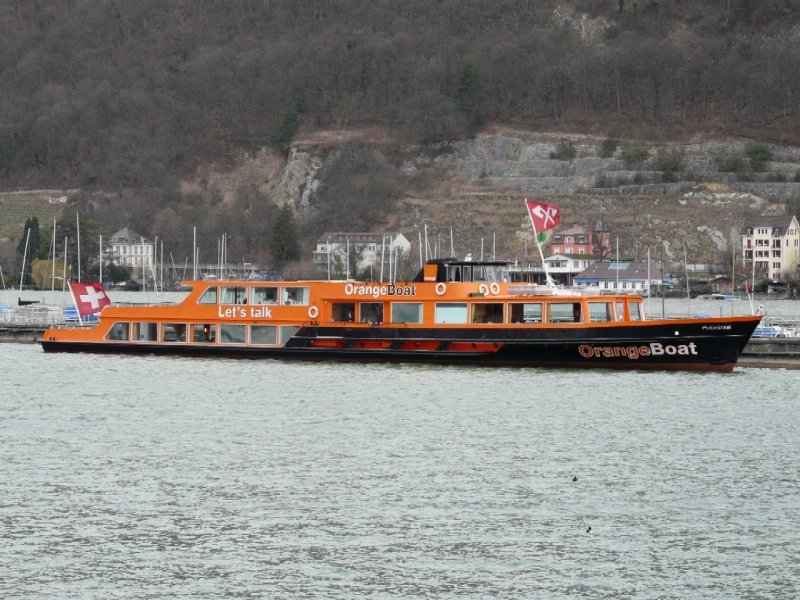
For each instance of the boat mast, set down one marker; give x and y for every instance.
(24, 256)
(194, 253)
(688, 290)
(733, 278)
(53, 266)
(64, 274)
(78, 221)
(383, 254)
(649, 278)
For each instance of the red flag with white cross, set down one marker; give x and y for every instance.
(90, 298)
(543, 216)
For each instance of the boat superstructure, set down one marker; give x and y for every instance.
(453, 312)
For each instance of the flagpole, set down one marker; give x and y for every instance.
(548, 279)
(75, 302)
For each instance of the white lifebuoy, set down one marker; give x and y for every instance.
(483, 289)
(441, 288)
(495, 289)
(313, 312)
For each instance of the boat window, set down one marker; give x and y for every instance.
(485, 312)
(370, 312)
(232, 334)
(173, 332)
(634, 309)
(478, 273)
(204, 333)
(209, 296)
(287, 331)
(264, 295)
(466, 273)
(294, 295)
(451, 312)
(564, 312)
(343, 311)
(145, 332)
(406, 312)
(454, 273)
(495, 273)
(263, 334)
(526, 312)
(620, 311)
(600, 311)
(234, 295)
(119, 331)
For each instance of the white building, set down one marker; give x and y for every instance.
(130, 249)
(629, 277)
(774, 243)
(365, 249)
(564, 267)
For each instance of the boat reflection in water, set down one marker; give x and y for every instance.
(452, 312)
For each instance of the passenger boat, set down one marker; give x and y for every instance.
(453, 312)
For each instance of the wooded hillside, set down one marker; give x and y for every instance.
(174, 114)
(132, 93)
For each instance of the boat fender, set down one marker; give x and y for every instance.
(494, 288)
(441, 288)
(483, 289)
(313, 312)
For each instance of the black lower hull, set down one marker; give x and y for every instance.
(663, 346)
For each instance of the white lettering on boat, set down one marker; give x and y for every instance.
(244, 312)
(636, 352)
(352, 289)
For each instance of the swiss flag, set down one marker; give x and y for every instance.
(90, 298)
(543, 216)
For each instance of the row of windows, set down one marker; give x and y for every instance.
(202, 333)
(255, 295)
(485, 312)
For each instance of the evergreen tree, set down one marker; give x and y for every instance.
(467, 97)
(35, 240)
(283, 241)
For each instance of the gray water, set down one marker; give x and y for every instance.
(145, 477)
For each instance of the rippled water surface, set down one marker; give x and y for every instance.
(144, 477)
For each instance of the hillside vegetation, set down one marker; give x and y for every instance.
(174, 113)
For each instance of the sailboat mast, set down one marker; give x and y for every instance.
(24, 256)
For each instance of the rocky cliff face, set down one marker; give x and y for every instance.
(646, 194)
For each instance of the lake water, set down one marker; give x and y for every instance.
(145, 477)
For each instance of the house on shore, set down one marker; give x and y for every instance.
(625, 277)
(130, 249)
(773, 242)
(336, 250)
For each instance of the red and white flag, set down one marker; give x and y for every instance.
(90, 298)
(543, 216)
